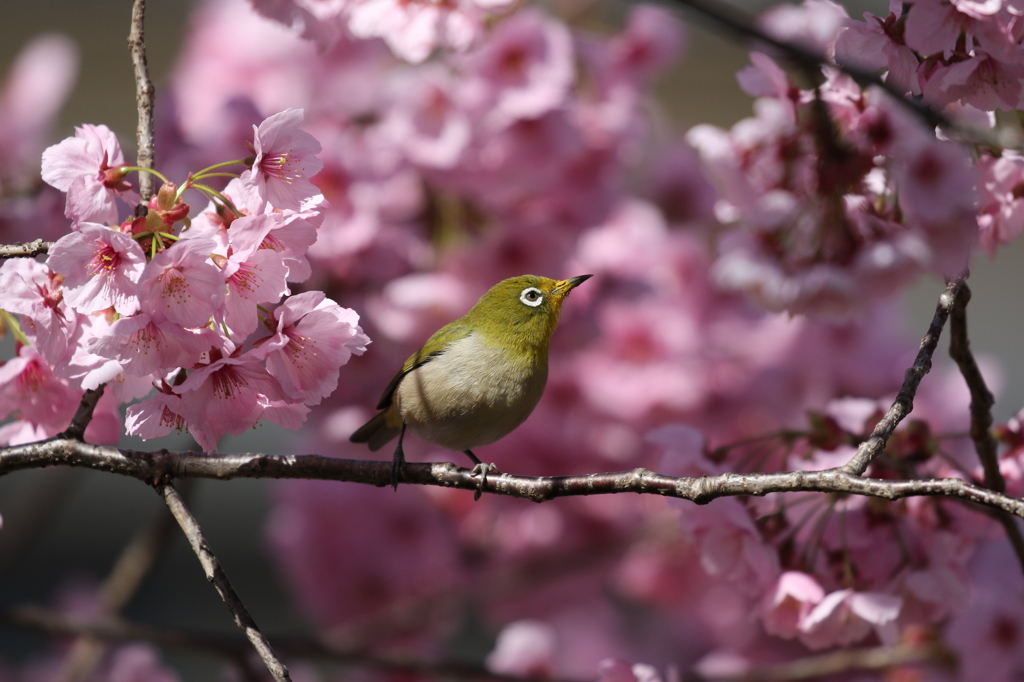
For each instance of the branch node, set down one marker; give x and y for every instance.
(76, 430)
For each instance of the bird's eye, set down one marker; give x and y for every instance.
(531, 296)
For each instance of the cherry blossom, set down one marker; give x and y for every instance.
(789, 602)
(524, 648)
(156, 416)
(1000, 210)
(225, 397)
(524, 70)
(100, 267)
(415, 29)
(88, 167)
(878, 43)
(34, 292)
(312, 337)
(253, 274)
(285, 161)
(844, 617)
(730, 545)
(29, 388)
(144, 346)
(182, 284)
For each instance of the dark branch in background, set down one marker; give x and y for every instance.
(144, 92)
(982, 401)
(741, 27)
(113, 629)
(904, 403)
(130, 569)
(215, 574)
(847, 660)
(163, 465)
(24, 250)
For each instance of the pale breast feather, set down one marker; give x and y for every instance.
(470, 395)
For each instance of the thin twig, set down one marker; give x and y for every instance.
(130, 569)
(982, 401)
(904, 403)
(144, 92)
(215, 574)
(109, 628)
(154, 467)
(76, 430)
(25, 250)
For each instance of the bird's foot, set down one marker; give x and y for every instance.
(482, 470)
(397, 468)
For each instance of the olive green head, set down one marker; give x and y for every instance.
(521, 311)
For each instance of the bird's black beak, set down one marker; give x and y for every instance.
(563, 287)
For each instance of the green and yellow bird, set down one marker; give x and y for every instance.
(477, 378)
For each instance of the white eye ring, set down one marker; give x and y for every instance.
(531, 296)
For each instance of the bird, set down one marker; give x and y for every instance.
(477, 378)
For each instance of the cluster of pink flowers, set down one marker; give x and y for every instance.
(413, 29)
(165, 301)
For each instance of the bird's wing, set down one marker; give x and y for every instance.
(435, 346)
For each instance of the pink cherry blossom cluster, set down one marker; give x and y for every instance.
(833, 196)
(161, 300)
(962, 56)
(412, 29)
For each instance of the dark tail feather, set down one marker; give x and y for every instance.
(375, 433)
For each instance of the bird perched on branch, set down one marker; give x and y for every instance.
(477, 378)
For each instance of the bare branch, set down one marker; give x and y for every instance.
(155, 467)
(144, 92)
(904, 403)
(215, 574)
(982, 401)
(25, 249)
(130, 569)
(108, 628)
(84, 414)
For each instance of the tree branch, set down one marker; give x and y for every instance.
(25, 249)
(116, 629)
(159, 466)
(130, 569)
(904, 403)
(76, 430)
(215, 574)
(742, 28)
(144, 92)
(982, 401)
